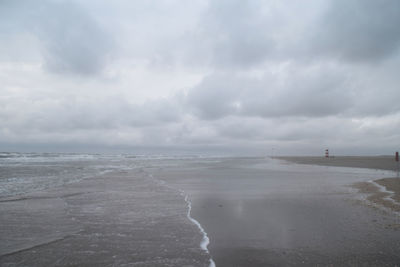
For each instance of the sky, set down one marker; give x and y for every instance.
(224, 76)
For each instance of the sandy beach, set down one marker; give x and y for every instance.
(381, 191)
(158, 212)
(261, 212)
(121, 219)
(373, 162)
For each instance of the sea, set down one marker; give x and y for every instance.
(63, 209)
(22, 173)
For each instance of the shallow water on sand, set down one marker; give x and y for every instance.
(262, 212)
(124, 210)
(118, 216)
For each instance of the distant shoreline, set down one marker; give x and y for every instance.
(382, 191)
(370, 162)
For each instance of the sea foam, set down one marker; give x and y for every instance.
(205, 241)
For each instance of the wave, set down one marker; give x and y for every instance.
(205, 241)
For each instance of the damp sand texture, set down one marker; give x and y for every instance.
(199, 212)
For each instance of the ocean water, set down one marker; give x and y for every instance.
(22, 173)
(105, 210)
(162, 210)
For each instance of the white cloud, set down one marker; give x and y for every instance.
(359, 30)
(69, 40)
(247, 75)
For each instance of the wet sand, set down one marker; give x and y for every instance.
(118, 219)
(391, 184)
(255, 211)
(378, 197)
(258, 212)
(382, 192)
(376, 162)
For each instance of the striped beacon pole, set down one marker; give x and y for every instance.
(326, 153)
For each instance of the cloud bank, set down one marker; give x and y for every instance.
(230, 76)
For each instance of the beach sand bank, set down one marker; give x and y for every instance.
(381, 191)
(262, 212)
(376, 162)
(255, 212)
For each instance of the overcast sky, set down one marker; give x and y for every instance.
(223, 76)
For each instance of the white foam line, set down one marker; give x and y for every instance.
(205, 241)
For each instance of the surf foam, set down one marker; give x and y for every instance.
(205, 241)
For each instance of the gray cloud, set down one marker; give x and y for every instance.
(315, 92)
(244, 74)
(74, 114)
(377, 90)
(359, 30)
(231, 34)
(71, 40)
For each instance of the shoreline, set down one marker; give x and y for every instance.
(384, 192)
(370, 162)
(121, 218)
(261, 212)
(250, 212)
(206, 240)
